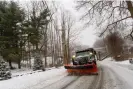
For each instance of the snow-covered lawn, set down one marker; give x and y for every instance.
(32, 78)
(124, 64)
(49, 61)
(25, 71)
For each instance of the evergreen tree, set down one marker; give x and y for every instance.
(14, 24)
(36, 29)
(10, 15)
(38, 24)
(38, 63)
(4, 70)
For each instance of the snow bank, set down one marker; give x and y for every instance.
(109, 59)
(29, 80)
(124, 64)
(25, 71)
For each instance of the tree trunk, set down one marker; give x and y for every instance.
(130, 7)
(68, 46)
(45, 49)
(37, 46)
(10, 64)
(29, 52)
(19, 64)
(45, 59)
(64, 47)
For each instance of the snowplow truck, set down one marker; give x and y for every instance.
(84, 62)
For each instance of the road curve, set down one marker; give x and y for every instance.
(116, 77)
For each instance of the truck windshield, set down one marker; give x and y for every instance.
(83, 54)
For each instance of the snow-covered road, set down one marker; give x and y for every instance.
(116, 76)
(51, 79)
(73, 82)
(65, 82)
(112, 75)
(33, 81)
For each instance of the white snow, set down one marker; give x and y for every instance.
(84, 82)
(29, 81)
(124, 62)
(120, 73)
(117, 75)
(49, 61)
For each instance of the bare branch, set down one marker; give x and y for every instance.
(90, 10)
(112, 24)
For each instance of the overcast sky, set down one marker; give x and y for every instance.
(87, 36)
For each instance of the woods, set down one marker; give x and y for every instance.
(41, 27)
(32, 29)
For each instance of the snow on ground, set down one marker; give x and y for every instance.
(20, 72)
(124, 64)
(25, 70)
(49, 61)
(84, 82)
(28, 81)
(117, 75)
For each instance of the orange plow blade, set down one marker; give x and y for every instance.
(82, 69)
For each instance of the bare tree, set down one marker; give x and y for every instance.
(67, 29)
(107, 14)
(69, 24)
(114, 44)
(64, 50)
